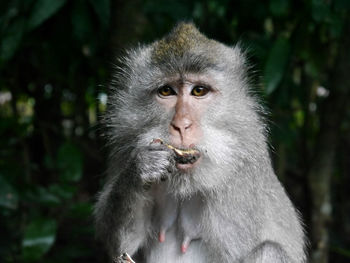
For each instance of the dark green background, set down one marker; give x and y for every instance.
(55, 61)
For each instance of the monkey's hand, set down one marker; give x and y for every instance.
(154, 163)
(124, 258)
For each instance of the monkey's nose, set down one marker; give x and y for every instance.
(182, 126)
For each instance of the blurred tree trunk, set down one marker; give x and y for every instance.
(322, 166)
(128, 24)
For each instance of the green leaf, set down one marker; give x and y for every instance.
(312, 69)
(299, 118)
(336, 26)
(8, 196)
(70, 162)
(46, 197)
(81, 21)
(63, 191)
(276, 64)
(342, 4)
(80, 210)
(11, 40)
(279, 7)
(320, 10)
(43, 10)
(102, 9)
(39, 236)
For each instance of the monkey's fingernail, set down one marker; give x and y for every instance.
(157, 141)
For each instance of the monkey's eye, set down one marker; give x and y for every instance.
(199, 91)
(166, 91)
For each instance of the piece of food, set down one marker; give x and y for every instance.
(182, 156)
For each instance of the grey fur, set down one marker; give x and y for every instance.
(244, 214)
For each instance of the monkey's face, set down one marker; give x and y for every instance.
(186, 98)
(193, 95)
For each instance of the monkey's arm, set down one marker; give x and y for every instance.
(121, 213)
(117, 215)
(268, 252)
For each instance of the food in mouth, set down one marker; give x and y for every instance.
(182, 156)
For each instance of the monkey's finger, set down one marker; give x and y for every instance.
(124, 258)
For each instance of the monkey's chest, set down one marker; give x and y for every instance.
(177, 226)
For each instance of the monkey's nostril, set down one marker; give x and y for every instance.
(175, 127)
(188, 126)
(181, 127)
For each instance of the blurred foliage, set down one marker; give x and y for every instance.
(55, 58)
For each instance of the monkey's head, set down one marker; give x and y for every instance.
(192, 93)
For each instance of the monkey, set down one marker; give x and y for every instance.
(190, 177)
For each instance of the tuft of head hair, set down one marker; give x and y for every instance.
(185, 37)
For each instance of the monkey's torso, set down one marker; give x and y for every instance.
(176, 228)
(213, 224)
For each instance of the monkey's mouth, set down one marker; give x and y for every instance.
(182, 156)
